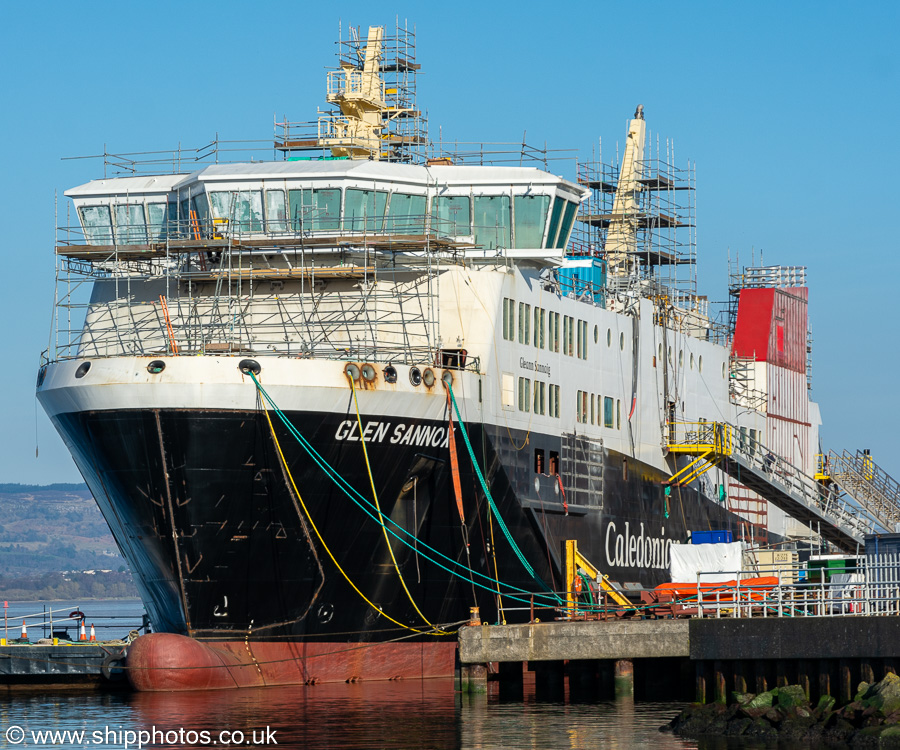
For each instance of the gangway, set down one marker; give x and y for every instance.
(861, 478)
(821, 505)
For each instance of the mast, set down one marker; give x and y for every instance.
(621, 237)
(358, 91)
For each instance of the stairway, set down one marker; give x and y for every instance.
(872, 487)
(824, 506)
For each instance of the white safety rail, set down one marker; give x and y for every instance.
(872, 589)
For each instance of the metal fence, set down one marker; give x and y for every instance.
(870, 586)
(65, 623)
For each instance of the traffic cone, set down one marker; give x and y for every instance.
(83, 636)
(24, 631)
(93, 637)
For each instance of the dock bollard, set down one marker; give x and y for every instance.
(474, 616)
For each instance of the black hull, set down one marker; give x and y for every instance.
(203, 511)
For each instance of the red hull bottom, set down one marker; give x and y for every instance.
(167, 662)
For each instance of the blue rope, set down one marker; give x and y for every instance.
(490, 499)
(362, 502)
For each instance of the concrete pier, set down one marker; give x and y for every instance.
(824, 655)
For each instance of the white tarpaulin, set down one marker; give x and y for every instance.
(717, 562)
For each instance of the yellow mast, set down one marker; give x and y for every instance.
(359, 93)
(621, 237)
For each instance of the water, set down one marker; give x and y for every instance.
(411, 714)
(378, 715)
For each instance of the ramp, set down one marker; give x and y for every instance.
(823, 506)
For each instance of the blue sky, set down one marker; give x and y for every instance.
(790, 111)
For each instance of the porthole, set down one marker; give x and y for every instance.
(156, 367)
(596, 334)
(608, 337)
(82, 369)
(447, 377)
(692, 361)
(681, 358)
(368, 372)
(351, 371)
(428, 377)
(700, 363)
(415, 376)
(249, 365)
(622, 342)
(723, 369)
(390, 374)
(669, 355)
(659, 357)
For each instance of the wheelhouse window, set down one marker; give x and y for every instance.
(160, 215)
(97, 224)
(242, 209)
(276, 211)
(555, 216)
(131, 228)
(406, 214)
(566, 227)
(492, 227)
(315, 210)
(452, 215)
(199, 218)
(530, 218)
(364, 210)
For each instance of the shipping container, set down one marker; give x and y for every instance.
(711, 537)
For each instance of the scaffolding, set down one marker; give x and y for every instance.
(374, 111)
(331, 295)
(659, 213)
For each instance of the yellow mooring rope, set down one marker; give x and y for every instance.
(381, 515)
(325, 546)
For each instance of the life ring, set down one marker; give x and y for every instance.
(113, 667)
(577, 585)
(77, 613)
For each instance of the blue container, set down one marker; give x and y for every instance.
(711, 537)
(582, 277)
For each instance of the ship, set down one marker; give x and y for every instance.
(330, 401)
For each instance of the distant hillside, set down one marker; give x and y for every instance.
(50, 529)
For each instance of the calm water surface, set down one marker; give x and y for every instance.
(390, 715)
(367, 715)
